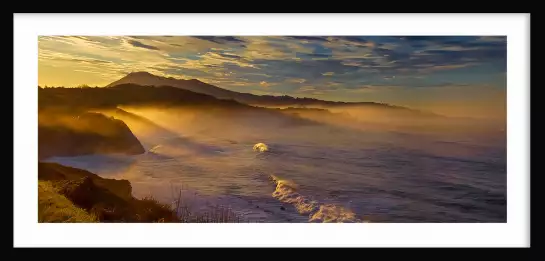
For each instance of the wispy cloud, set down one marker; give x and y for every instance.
(313, 65)
(220, 39)
(141, 45)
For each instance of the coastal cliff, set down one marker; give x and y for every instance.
(83, 133)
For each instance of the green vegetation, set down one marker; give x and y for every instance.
(54, 207)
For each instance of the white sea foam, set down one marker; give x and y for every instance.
(155, 148)
(261, 147)
(286, 191)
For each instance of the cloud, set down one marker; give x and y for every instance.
(295, 80)
(305, 89)
(265, 84)
(274, 48)
(141, 45)
(221, 39)
(93, 61)
(309, 38)
(448, 67)
(230, 56)
(46, 55)
(367, 88)
(351, 41)
(217, 60)
(313, 65)
(493, 39)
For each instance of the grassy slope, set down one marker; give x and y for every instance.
(74, 195)
(54, 207)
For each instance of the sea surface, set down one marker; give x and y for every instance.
(313, 173)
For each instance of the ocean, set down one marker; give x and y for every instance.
(312, 172)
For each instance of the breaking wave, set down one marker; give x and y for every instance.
(286, 191)
(155, 149)
(261, 147)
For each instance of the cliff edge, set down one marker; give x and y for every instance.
(75, 134)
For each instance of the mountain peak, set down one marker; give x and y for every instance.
(144, 78)
(141, 73)
(147, 74)
(195, 81)
(147, 79)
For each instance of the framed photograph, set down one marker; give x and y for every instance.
(271, 130)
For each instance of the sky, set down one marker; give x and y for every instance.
(454, 75)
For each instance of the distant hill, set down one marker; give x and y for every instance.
(151, 90)
(148, 79)
(126, 94)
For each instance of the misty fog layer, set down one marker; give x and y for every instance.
(339, 165)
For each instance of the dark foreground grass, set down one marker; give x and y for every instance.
(214, 214)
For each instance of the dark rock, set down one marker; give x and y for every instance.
(81, 192)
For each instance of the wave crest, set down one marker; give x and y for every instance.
(155, 149)
(286, 191)
(261, 147)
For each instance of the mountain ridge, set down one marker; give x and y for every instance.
(147, 79)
